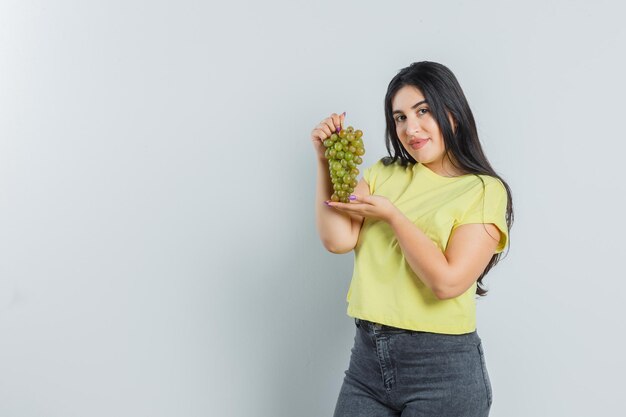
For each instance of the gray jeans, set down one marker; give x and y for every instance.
(397, 372)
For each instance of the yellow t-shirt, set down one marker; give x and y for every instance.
(384, 289)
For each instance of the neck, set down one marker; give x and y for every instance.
(445, 169)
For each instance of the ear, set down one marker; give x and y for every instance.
(453, 122)
(454, 125)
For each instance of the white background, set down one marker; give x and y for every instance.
(158, 251)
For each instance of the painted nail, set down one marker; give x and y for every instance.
(352, 197)
(344, 113)
(326, 202)
(337, 130)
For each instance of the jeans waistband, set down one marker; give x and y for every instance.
(377, 326)
(368, 326)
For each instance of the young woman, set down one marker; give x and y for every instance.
(426, 224)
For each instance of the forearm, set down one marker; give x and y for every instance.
(334, 227)
(423, 256)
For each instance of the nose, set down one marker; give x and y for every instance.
(412, 126)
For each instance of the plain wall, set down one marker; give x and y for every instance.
(158, 250)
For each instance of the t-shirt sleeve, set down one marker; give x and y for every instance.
(489, 206)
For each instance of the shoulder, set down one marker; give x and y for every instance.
(477, 191)
(382, 170)
(386, 165)
(487, 193)
(487, 183)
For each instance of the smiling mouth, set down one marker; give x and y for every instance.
(417, 143)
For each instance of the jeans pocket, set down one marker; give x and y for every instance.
(485, 374)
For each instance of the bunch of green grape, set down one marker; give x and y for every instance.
(344, 151)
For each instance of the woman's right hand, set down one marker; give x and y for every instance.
(323, 130)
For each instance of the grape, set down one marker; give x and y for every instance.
(343, 152)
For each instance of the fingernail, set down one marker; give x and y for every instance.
(337, 130)
(326, 202)
(344, 113)
(352, 197)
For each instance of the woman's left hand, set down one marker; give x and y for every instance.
(371, 206)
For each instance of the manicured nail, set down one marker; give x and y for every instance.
(352, 197)
(327, 202)
(344, 114)
(337, 130)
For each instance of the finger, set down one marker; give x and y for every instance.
(328, 122)
(348, 207)
(341, 207)
(318, 134)
(327, 130)
(323, 132)
(365, 199)
(336, 122)
(342, 119)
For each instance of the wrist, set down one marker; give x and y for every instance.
(395, 218)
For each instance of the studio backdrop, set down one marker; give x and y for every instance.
(158, 249)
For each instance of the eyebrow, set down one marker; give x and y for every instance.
(412, 107)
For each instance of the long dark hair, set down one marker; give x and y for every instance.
(444, 95)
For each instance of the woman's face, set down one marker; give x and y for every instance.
(418, 130)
